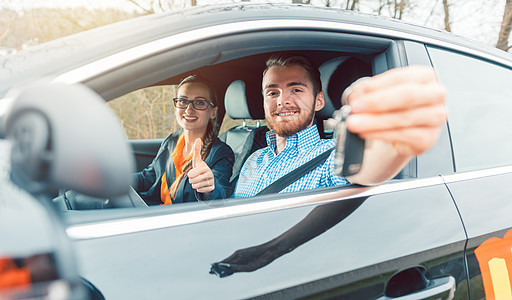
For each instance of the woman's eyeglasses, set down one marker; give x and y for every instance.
(199, 104)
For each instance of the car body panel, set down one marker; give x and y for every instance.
(485, 208)
(175, 264)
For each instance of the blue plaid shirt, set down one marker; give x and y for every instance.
(264, 167)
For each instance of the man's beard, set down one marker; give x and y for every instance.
(287, 129)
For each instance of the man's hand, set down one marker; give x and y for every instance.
(400, 113)
(201, 176)
(404, 107)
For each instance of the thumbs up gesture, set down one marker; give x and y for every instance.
(201, 176)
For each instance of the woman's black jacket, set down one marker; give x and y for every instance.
(148, 182)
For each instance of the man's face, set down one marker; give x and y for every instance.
(289, 101)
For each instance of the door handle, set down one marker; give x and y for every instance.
(439, 288)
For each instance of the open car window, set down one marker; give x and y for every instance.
(147, 115)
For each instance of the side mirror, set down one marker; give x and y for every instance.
(61, 136)
(36, 256)
(64, 136)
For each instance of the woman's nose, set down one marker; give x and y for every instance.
(189, 108)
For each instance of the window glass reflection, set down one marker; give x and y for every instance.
(478, 100)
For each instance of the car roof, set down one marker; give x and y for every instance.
(67, 53)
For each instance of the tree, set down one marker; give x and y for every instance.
(446, 8)
(399, 7)
(352, 5)
(506, 28)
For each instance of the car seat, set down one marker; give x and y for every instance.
(243, 102)
(336, 75)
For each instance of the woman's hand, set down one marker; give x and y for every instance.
(201, 176)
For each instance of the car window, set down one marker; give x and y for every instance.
(478, 101)
(147, 113)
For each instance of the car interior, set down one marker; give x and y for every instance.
(234, 65)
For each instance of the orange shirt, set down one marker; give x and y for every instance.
(179, 163)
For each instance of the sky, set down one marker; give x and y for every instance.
(475, 19)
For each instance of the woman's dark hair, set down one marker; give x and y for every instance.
(284, 60)
(201, 80)
(212, 130)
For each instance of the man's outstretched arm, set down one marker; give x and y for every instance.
(399, 113)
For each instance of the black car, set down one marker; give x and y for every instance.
(436, 231)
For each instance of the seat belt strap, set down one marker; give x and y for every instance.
(288, 179)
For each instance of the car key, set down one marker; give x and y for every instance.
(348, 158)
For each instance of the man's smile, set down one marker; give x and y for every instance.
(285, 111)
(285, 114)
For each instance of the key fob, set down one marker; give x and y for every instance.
(349, 154)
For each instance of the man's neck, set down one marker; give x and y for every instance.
(280, 143)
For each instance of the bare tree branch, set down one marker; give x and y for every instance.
(506, 27)
(354, 3)
(351, 5)
(141, 7)
(446, 8)
(431, 12)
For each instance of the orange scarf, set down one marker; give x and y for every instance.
(179, 162)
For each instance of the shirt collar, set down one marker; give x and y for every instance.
(300, 141)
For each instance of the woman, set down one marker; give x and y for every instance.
(192, 163)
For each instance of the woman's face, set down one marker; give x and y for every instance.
(190, 118)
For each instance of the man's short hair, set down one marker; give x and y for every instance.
(284, 60)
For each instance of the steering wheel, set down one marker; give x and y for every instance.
(71, 200)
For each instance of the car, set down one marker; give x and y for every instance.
(435, 231)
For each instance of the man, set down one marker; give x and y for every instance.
(399, 113)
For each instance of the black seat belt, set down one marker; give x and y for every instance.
(286, 180)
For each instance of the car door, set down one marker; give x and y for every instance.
(348, 247)
(401, 238)
(479, 98)
(144, 151)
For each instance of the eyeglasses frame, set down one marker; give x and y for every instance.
(175, 100)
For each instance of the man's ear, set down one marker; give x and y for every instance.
(319, 101)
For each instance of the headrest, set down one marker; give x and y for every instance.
(243, 101)
(336, 75)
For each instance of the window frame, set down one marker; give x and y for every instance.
(384, 51)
